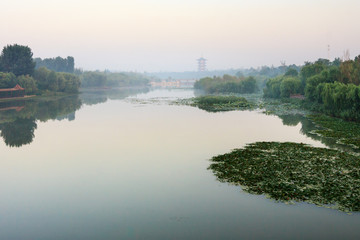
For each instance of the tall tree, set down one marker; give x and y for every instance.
(70, 64)
(17, 59)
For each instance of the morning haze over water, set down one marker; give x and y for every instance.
(179, 119)
(136, 168)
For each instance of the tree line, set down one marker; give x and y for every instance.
(97, 79)
(266, 71)
(227, 84)
(57, 64)
(331, 87)
(18, 67)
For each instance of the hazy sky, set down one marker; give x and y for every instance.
(169, 35)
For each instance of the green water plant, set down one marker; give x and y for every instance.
(221, 103)
(344, 132)
(293, 172)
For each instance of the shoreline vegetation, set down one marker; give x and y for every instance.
(54, 76)
(328, 87)
(227, 84)
(327, 94)
(325, 177)
(339, 131)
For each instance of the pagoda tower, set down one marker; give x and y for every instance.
(201, 64)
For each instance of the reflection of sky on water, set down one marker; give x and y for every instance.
(121, 171)
(161, 96)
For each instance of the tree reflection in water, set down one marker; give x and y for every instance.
(18, 126)
(18, 118)
(18, 132)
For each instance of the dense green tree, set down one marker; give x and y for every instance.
(57, 81)
(72, 83)
(311, 86)
(7, 80)
(61, 81)
(334, 74)
(52, 81)
(289, 86)
(228, 77)
(93, 79)
(70, 65)
(330, 87)
(346, 70)
(350, 71)
(336, 62)
(17, 59)
(249, 85)
(41, 76)
(57, 64)
(227, 84)
(323, 61)
(272, 89)
(28, 83)
(282, 86)
(311, 69)
(291, 72)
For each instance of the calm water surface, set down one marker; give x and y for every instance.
(119, 167)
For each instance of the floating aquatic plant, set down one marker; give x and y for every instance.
(293, 172)
(222, 103)
(344, 132)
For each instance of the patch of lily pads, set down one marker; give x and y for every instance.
(212, 103)
(293, 172)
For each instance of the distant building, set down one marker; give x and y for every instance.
(165, 84)
(181, 83)
(15, 92)
(201, 64)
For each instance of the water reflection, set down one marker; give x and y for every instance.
(18, 118)
(18, 132)
(126, 170)
(92, 97)
(308, 128)
(289, 117)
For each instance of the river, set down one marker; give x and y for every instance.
(135, 166)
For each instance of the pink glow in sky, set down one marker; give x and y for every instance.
(170, 35)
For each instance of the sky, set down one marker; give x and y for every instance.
(169, 35)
